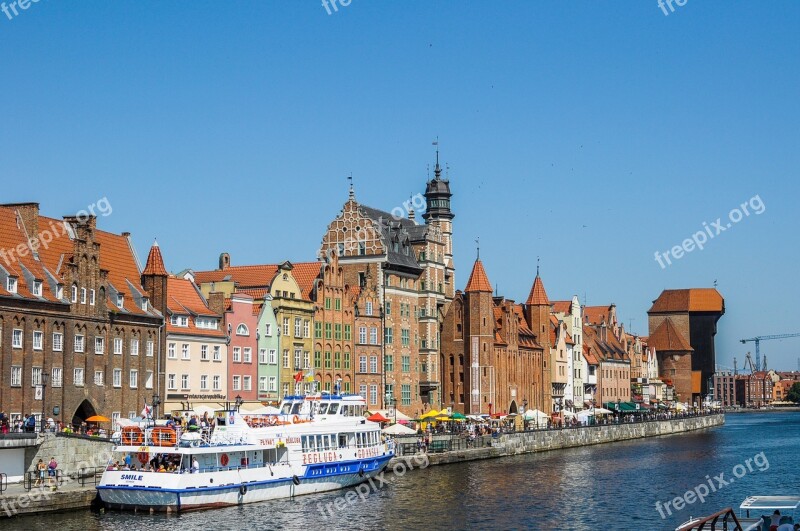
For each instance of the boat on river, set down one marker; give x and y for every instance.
(315, 444)
(755, 514)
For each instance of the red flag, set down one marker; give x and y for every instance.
(298, 377)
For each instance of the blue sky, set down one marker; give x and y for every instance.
(590, 134)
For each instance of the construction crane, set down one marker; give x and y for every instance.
(757, 340)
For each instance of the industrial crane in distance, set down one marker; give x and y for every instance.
(758, 339)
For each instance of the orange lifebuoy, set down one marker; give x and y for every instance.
(144, 457)
(273, 421)
(223, 459)
(163, 437)
(132, 436)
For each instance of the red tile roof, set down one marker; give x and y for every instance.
(254, 277)
(537, 296)
(184, 298)
(561, 306)
(689, 300)
(667, 338)
(155, 262)
(478, 280)
(597, 314)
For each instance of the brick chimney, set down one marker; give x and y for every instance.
(29, 215)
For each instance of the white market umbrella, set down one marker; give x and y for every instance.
(535, 414)
(602, 411)
(398, 429)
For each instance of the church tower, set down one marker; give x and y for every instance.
(438, 214)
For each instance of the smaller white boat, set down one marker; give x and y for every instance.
(755, 514)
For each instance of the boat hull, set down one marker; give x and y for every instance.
(236, 487)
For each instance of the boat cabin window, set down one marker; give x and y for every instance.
(342, 440)
(296, 408)
(333, 408)
(323, 408)
(287, 408)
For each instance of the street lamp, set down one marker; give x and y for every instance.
(43, 378)
(156, 403)
(239, 402)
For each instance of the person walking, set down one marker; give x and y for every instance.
(41, 468)
(52, 473)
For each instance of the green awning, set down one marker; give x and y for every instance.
(622, 407)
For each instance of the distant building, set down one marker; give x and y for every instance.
(725, 389)
(569, 312)
(755, 390)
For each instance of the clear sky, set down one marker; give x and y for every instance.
(590, 134)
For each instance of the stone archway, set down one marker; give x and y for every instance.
(512, 409)
(84, 411)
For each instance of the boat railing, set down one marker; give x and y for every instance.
(729, 522)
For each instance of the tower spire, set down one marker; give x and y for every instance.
(352, 192)
(438, 169)
(478, 245)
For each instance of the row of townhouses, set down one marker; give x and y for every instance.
(86, 329)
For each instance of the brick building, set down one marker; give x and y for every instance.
(492, 359)
(72, 309)
(614, 365)
(754, 390)
(693, 314)
(725, 389)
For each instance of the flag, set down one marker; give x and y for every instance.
(310, 376)
(146, 410)
(298, 377)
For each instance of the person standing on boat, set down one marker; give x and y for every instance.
(195, 466)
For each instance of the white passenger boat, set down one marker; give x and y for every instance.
(316, 444)
(755, 514)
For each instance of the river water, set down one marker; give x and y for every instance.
(605, 487)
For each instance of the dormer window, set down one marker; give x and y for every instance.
(37, 288)
(59, 292)
(144, 305)
(181, 320)
(11, 284)
(120, 300)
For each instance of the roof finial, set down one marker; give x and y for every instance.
(352, 191)
(537, 266)
(437, 170)
(478, 244)
(411, 214)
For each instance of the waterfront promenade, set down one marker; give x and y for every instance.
(79, 493)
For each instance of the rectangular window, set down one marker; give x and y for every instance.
(135, 347)
(347, 360)
(362, 335)
(80, 343)
(273, 383)
(327, 303)
(272, 359)
(285, 326)
(388, 307)
(58, 342)
(362, 390)
(338, 332)
(36, 376)
(118, 346)
(247, 352)
(91, 297)
(77, 377)
(99, 345)
(267, 329)
(262, 383)
(306, 328)
(388, 335)
(348, 332)
(306, 359)
(98, 378)
(317, 330)
(368, 308)
(237, 383)
(262, 356)
(171, 381)
(217, 353)
(203, 352)
(117, 377)
(405, 337)
(150, 349)
(170, 350)
(185, 351)
(83, 295)
(148, 384)
(373, 336)
(338, 304)
(216, 380)
(298, 324)
(405, 363)
(286, 389)
(11, 285)
(286, 360)
(237, 354)
(337, 360)
(327, 359)
(74, 294)
(405, 394)
(204, 382)
(56, 377)
(16, 376)
(373, 394)
(16, 338)
(328, 333)
(297, 356)
(185, 381)
(362, 364)
(373, 364)
(247, 383)
(38, 340)
(389, 362)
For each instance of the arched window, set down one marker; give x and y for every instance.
(242, 330)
